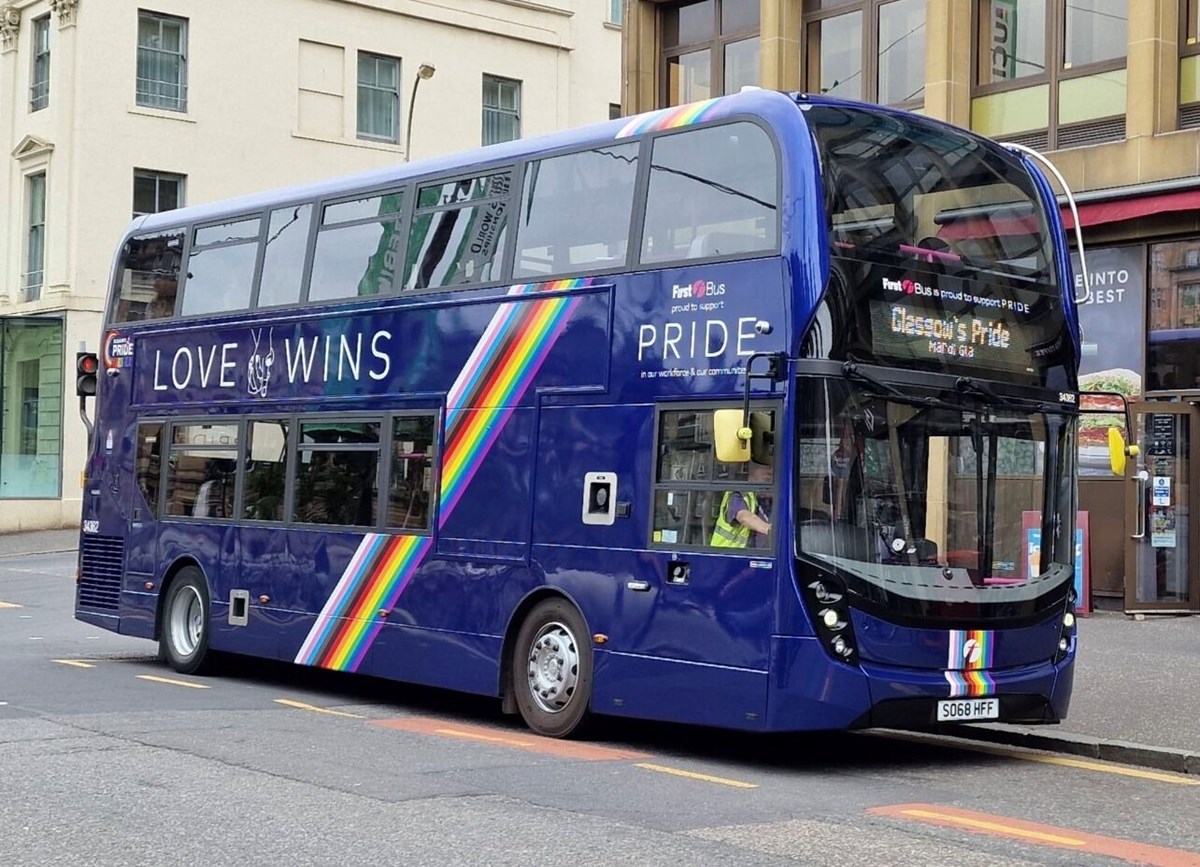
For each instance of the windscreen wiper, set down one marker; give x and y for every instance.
(853, 372)
(966, 385)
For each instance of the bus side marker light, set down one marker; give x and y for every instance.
(600, 638)
(149, 585)
(264, 599)
(383, 612)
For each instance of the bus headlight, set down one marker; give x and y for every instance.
(832, 619)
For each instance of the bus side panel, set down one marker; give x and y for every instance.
(213, 546)
(669, 646)
(678, 691)
(809, 691)
(490, 520)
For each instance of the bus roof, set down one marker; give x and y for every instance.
(745, 102)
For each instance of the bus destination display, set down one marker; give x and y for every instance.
(956, 327)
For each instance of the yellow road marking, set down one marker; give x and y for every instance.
(299, 705)
(491, 739)
(77, 663)
(1061, 761)
(9, 605)
(168, 680)
(1071, 839)
(705, 778)
(997, 827)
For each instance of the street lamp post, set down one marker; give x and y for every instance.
(425, 70)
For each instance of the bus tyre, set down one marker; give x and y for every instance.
(552, 669)
(185, 628)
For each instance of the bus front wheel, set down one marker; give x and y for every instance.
(552, 669)
(185, 628)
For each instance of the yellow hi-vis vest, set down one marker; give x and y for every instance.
(737, 535)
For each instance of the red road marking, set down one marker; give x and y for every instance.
(1040, 835)
(579, 751)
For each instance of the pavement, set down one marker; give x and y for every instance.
(1136, 698)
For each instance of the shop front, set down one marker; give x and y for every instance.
(1140, 314)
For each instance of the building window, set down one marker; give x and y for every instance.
(872, 50)
(378, 97)
(1051, 73)
(615, 11)
(614, 110)
(39, 78)
(501, 109)
(709, 47)
(154, 192)
(31, 389)
(35, 239)
(1189, 65)
(162, 61)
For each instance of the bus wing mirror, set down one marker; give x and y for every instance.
(1118, 451)
(739, 438)
(731, 437)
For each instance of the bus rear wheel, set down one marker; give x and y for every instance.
(185, 628)
(552, 669)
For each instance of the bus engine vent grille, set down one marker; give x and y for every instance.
(101, 561)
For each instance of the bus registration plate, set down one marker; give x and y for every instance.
(962, 709)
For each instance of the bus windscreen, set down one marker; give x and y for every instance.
(940, 251)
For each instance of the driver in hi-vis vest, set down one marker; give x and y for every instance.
(743, 514)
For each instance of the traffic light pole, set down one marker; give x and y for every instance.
(87, 422)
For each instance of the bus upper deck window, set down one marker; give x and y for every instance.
(149, 277)
(713, 192)
(458, 232)
(357, 247)
(221, 267)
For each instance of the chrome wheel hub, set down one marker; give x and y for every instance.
(553, 667)
(186, 621)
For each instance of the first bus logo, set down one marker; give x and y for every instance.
(698, 289)
(118, 350)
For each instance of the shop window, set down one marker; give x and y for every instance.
(1173, 330)
(31, 389)
(696, 497)
(709, 47)
(872, 50)
(1051, 73)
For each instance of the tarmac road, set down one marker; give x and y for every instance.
(108, 757)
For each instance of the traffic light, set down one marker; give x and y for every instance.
(86, 367)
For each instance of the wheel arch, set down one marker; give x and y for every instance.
(508, 703)
(169, 576)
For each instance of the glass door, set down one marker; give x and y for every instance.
(1161, 496)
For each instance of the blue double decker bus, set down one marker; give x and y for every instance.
(755, 413)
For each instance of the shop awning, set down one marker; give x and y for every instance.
(1119, 210)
